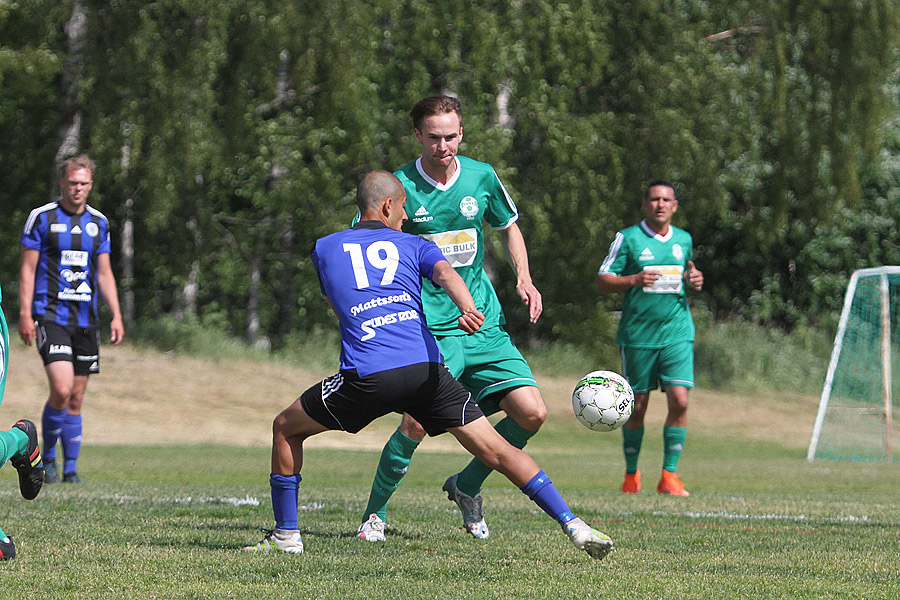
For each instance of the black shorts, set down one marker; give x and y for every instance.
(77, 345)
(427, 391)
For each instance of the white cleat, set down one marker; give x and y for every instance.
(372, 529)
(471, 508)
(286, 540)
(586, 538)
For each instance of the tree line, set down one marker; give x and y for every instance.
(230, 135)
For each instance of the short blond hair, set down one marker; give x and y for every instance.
(77, 162)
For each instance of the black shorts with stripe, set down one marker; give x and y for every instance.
(427, 391)
(76, 345)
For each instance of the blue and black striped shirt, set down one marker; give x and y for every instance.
(65, 283)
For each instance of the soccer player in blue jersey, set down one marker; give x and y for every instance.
(65, 267)
(372, 276)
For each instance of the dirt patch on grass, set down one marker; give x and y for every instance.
(147, 397)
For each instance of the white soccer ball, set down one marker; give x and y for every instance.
(602, 401)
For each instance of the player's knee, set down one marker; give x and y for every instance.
(526, 407)
(60, 394)
(534, 417)
(411, 428)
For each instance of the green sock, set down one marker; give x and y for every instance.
(472, 477)
(12, 442)
(673, 444)
(631, 445)
(391, 468)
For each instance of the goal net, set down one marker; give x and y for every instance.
(855, 420)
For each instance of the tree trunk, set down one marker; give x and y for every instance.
(68, 134)
(256, 260)
(127, 279)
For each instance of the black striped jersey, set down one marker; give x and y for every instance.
(65, 282)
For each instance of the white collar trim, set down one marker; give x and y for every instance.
(440, 186)
(654, 235)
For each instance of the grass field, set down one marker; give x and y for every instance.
(168, 520)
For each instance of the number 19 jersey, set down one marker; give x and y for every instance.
(373, 276)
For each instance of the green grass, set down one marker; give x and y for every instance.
(169, 522)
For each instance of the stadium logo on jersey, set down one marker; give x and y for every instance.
(91, 229)
(73, 258)
(459, 247)
(60, 349)
(76, 230)
(677, 252)
(58, 228)
(468, 207)
(69, 275)
(422, 216)
(646, 255)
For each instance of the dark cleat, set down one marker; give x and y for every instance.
(51, 473)
(29, 465)
(71, 478)
(7, 549)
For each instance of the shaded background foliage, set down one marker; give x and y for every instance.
(230, 135)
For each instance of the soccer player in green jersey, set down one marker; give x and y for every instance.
(18, 445)
(652, 263)
(449, 197)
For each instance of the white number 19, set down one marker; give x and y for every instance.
(387, 263)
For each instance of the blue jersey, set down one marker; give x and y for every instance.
(373, 276)
(65, 282)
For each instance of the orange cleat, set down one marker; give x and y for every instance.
(632, 483)
(670, 484)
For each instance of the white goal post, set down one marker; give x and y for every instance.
(856, 404)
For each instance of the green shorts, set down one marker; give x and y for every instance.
(645, 368)
(486, 363)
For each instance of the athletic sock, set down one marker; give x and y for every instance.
(673, 445)
(472, 477)
(543, 493)
(71, 442)
(51, 429)
(631, 445)
(392, 467)
(285, 492)
(13, 442)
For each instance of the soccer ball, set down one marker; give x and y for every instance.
(602, 400)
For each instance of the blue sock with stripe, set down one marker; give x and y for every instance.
(285, 492)
(71, 442)
(543, 493)
(51, 429)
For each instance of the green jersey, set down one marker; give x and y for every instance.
(655, 316)
(452, 216)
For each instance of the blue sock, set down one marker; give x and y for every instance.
(285, 490)
(71, 442)
(51, 428)
(543, 493)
